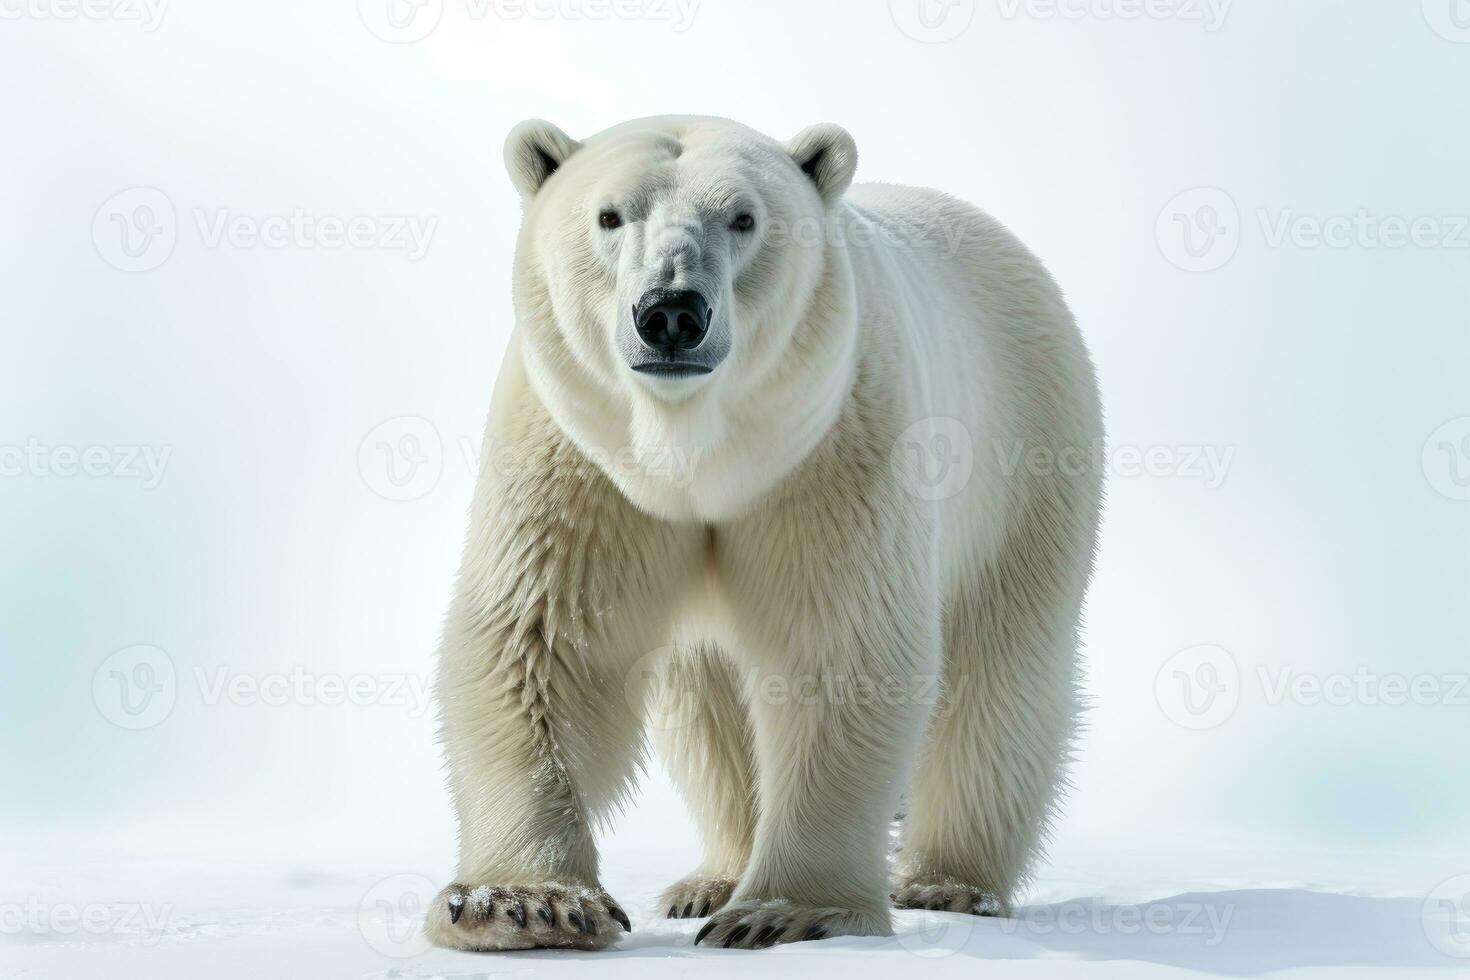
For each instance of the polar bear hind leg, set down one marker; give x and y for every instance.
(994, 761)
(701, 728)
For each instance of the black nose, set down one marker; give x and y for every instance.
(670, 321)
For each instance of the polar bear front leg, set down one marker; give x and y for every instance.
(843, 663)
(530, 752)
(833, 738)
(564, 587)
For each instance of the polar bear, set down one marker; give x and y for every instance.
(792, 453)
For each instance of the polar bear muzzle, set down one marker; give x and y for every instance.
(672, 326)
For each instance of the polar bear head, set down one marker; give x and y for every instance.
(686, 314)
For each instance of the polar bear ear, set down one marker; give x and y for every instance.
(828, 155)
(533, 152)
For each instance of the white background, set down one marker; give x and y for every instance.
(1327, 382)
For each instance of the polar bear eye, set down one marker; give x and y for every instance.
(743, 222)
(610, 219)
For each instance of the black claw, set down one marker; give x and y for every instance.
(545, 913)
(517, 911)
(815, 932)
(575, 918)
(708, 926)
(704, 910)
(765, 937)
(456, 908)
(621, 917)
(740, 933)
(689, 910)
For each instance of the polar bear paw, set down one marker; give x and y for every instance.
(697, 896)
(949, 896)
(756, 925)
(485, 917)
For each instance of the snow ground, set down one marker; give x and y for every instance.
(188, 919)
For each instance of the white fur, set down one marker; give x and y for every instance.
(799, 551)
